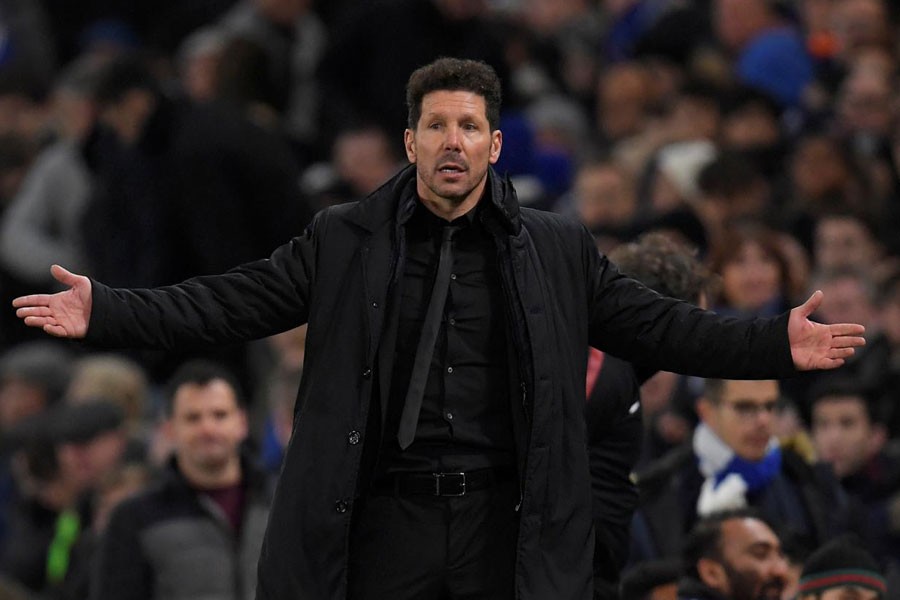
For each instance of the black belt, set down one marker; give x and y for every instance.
(442, 484)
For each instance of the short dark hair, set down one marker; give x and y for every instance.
(705, 539)
(832, 386)
(121, 75)
(454, 74)
(199, 372)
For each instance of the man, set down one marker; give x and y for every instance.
(199, 532)
(733, 460)
(476, 483)
(849, 433)
(842, 570)
(734, 555)
(617, 403)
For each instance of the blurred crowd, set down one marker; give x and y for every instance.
(146, 141)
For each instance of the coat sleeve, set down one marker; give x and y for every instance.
(633, 322)
(254, 300)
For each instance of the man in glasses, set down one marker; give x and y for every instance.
(734, 460)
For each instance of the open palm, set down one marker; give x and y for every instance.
(818, 345)
(64, 314)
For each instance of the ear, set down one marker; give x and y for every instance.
(704, 409)
(496, 144)
(409, 142)
(712, 573)
(245, 425)
(878, 438)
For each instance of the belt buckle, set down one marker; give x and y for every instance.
(443, 481)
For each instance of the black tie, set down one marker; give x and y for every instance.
(409, 420)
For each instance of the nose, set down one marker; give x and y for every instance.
(452, 138)
(779, 568)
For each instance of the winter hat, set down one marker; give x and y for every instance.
(838, 563)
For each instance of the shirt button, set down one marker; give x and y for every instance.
(449, 415)
(353, 437)
(341, 506)
(453, 321)
(374, 305)
(452, 275)
(449, 369)
(367, 373)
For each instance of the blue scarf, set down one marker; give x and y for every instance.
(716, 459)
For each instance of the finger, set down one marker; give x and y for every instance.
(827, 363)
(34, 311)
(32, 300)
(846, 329)
(811, 304)
(55, 330)
(841, 352)
(39, 321)
(848, 342)
(64, 276)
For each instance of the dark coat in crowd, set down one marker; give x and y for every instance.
(562, 296)
(804, 503)
(171, 542)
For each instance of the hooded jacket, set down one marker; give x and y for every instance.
(561, 297)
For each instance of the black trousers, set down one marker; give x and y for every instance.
(419, 547)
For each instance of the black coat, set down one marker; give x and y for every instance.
(562, 296)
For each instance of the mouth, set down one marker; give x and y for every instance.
(451, 168)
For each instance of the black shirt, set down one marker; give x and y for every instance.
(465, 422)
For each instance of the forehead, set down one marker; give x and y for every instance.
(442, 102)
(757, 391)
(194, 396)
(840, 405)
(744, 533)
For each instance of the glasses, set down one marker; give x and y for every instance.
(747, 409)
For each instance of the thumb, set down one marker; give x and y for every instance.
(63, 276)
(811, 304)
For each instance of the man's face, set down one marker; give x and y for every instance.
(744, 416)
(843, 242)
(753, 565)
(452, 146)
(843, 434)
(207, 426)
(850, 592)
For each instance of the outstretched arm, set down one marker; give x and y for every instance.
(64, 314)
(817, 345)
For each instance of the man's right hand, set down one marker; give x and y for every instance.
(64, 314)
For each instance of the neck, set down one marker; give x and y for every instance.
(211, 478)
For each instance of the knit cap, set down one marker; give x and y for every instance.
(839, 563)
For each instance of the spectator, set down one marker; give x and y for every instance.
(43, 224)
(733, 555)
(847, 239)
(64, 454)
(754, 272)
(604, 199)
(199, 532)
(731, 189)
(614, 401)
(769, 53)
(732, 461)
(652, 580)
(850, 433)
(842, 569)
(294, 40)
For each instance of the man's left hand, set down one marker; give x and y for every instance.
(817, 345)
